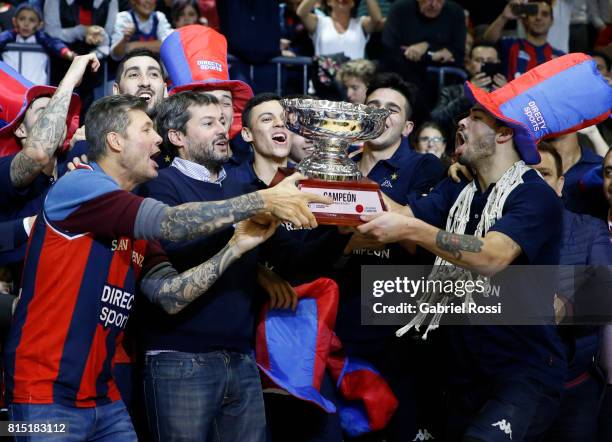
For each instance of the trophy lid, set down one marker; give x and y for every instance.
(324, 119)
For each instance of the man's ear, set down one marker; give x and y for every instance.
(116, 89)
(40, 25)
(114, 141)
(504, 134)
(177, 138)
(21, 132)
(560, 183)
(246, 134)
(408, 128)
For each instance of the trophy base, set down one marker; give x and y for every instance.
(352, 199)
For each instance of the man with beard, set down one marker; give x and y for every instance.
(506, 379)
(522, 54)
(198, 363)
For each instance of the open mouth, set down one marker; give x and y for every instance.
(460, 141)
(147, 95)
(279, 138)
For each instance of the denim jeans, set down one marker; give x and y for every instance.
(105, 423)
(213, 396)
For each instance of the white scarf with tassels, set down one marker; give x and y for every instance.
(456, 222)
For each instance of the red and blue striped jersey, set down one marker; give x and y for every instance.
(78, 288)
(519, 56)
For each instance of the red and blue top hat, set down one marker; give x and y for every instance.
(555, 98)
(17, 94)
(195, 57)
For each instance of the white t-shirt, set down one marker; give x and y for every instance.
(328, 41)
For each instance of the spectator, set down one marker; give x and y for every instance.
(253, 36)
(577, 161)
(7, 11)
(421, 33)
(520, 55)
(429, 138)
(186, 12)
(452, 101)
(294, 35)
(340, 32)
(208, 8)
(603, 65)
(140, 27)
(355, 76)
(34, 66)
(83, 26)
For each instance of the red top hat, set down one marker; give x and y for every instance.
(17, 94)
(195, 57)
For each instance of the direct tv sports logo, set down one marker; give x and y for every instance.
(535, 117)
(207, 65)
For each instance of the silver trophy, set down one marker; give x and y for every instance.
(333, 125)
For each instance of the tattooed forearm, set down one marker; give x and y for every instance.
(175, 293)
(24, 170)
(194, 220)
(42, 140)
(455, 244)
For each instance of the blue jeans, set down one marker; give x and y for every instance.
(105, 423)
(212, 396)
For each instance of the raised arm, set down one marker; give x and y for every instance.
(375, 21)
(49, 129)
(309, 18)
(495, 29)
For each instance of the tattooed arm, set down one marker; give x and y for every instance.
(487, 255)
(50, 127)
(173, 291)
(284, 201)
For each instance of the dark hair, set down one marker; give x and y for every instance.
(25, 6)
(138, 53)
(391, 80)
(603, 55)
(173, 113)
(430, 125)
(546, 147)
(256, 101)
(109, 114)
(178, 6)
(483, 44)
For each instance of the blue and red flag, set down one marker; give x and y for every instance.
(295, 348)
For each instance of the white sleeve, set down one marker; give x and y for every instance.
(163, 26)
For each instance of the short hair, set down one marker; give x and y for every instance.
(429, 125)
(256, 101)
(173, 113)
(361, 69)
(546, 147)
(391, 80)
(109, 114)
(483, 44)
(141, 52)
(178, 6)
(25, 6)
